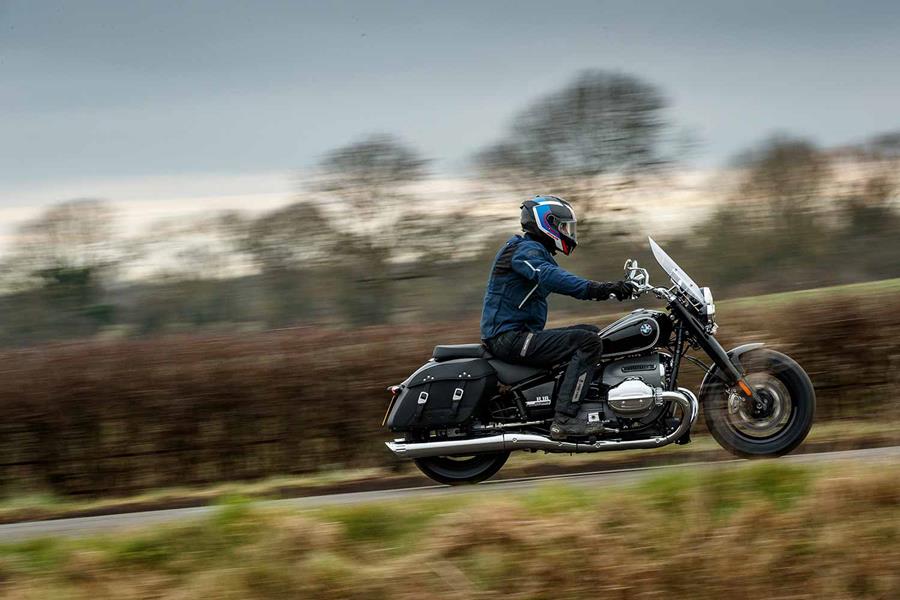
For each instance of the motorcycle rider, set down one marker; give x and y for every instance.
(523, 274)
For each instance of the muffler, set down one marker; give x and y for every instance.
(529, 441)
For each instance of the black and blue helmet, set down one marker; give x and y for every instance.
(552, 220)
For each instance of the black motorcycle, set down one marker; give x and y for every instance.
(463, 411)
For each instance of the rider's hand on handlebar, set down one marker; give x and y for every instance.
(624, 290)
(620, 290)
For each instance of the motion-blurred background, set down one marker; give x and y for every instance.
(187, 190)
(227, 226)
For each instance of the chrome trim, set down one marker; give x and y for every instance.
(490, 443)
(529, 441)
(494, 426)
(693, 400)
(632, 389)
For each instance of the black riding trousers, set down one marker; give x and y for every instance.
(578, 344)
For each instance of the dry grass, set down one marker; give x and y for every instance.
(828, 436)
(762, 531)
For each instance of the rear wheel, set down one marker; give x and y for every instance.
(776, 422)
(458, 470)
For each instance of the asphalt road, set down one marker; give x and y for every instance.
(96, 525)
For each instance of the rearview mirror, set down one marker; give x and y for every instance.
(634, 273)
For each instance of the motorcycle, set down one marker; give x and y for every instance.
(464, 411)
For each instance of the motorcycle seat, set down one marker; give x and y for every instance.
(507, 373)
(510, 374)
(453, 351)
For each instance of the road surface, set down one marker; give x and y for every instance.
(94, 525)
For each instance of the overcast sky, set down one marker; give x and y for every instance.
(100, 91)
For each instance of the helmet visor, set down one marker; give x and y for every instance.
(567, 228)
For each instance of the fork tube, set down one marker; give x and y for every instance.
(676, 357)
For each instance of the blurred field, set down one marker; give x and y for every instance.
(848, 291)
(96, 418)
(771, 530)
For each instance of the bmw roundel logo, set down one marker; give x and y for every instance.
(646, 328)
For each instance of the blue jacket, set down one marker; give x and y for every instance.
(522, 276)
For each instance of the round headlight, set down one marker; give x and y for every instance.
(708, 299)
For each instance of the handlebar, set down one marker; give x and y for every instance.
(639, 277)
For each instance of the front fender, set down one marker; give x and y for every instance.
(734, 355)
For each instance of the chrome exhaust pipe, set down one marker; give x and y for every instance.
(529, 441)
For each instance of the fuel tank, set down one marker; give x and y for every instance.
(638, 331)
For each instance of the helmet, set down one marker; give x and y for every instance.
(552, 221)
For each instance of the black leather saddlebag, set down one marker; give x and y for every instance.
(441, 394)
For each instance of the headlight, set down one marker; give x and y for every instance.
(711, 326)
(708, 299)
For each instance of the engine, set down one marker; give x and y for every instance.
(629, 389)
(633, 388)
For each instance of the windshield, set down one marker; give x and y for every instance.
(676, 274)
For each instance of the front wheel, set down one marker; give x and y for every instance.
(458, 470)
(780, 418)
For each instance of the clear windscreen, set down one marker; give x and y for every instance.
(676, 274)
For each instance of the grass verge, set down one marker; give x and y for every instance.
(764, 530)
(829, 436)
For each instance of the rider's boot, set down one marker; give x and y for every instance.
(588, 422)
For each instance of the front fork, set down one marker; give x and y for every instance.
(727, 365)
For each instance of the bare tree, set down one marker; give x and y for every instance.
(296, 236)
(286, 246)
(883, 183)
(366, 197)
(786, 175)
(600, 125)
(773, 216)
(60, 261)
(78, 234)
(386, 231)
(190, 247)
(369, 184)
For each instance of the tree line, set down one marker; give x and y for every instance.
(364, 245)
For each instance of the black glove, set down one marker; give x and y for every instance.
(622, 290)
(625, 290)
